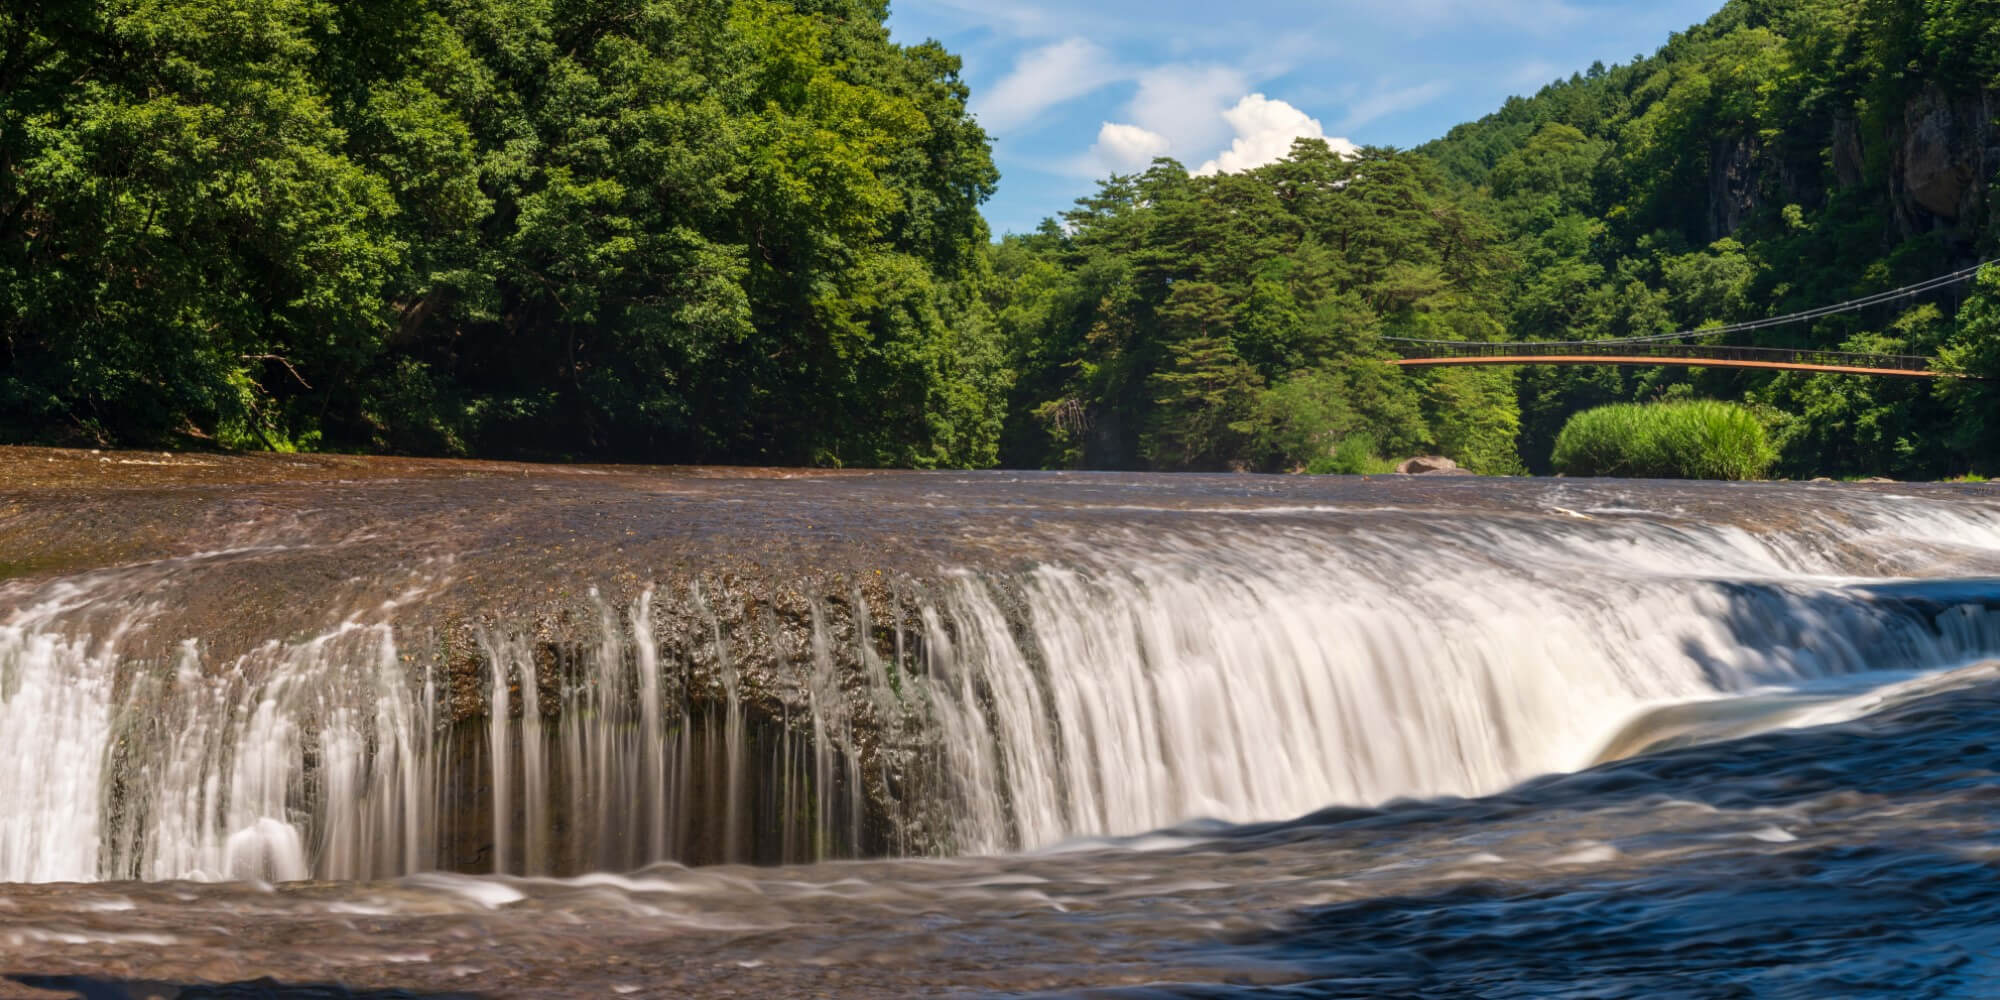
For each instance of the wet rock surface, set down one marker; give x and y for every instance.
(780, 612)
(1426, 465)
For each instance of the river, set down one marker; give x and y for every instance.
(479, 729)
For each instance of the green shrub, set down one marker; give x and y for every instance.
(1682, 439)
(1353, 456)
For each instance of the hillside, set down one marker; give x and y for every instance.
(1783, 155)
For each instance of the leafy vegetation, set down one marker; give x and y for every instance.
(726, 230)
(748, 231)
(1756, 165)
(1237, 320)
(1787, 154)
(1675, 439)
(1355, 455)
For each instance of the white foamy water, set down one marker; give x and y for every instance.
(55, 720)
(1261, 675)
(1196, 664)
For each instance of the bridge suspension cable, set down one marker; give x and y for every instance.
(1851, 305)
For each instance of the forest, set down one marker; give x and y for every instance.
(1785, 155)
(671, 230)
(748, 231)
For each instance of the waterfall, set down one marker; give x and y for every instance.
(1248, 664)
(55, 723)
(1265, 675)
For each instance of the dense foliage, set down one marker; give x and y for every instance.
(733, 230)
(1785, 155)
(1236, 321)
(748, 231)
(1675, 439)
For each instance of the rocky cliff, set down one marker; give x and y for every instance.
(1937, 160)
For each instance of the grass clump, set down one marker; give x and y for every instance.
(1679, 439)
(1353, 456)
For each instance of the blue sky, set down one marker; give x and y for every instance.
(1071, 91)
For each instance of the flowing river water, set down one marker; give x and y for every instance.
(475, 729)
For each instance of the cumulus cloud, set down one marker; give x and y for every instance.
(1125, 149)
(1265, 130)
(1043, 78)
(1176, 110)
(1186, 104)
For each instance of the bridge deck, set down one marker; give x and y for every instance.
(1607, 359)
(1419, 354)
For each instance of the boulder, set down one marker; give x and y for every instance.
(1822, 479)
(1875, 479)
(1425, 465)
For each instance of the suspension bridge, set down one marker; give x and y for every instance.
(1674, 349)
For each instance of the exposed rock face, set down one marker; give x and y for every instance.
(1944, 158)
(1848, 160)
(1430, 465)
(1943, 151)
(1732, 184)
(1746, 175)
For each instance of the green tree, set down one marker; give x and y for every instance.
(1201, 398)
(736, 230)
(1237, 320)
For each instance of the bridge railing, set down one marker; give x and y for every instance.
(1441, 349)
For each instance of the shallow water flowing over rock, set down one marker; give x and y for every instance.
(401, 678)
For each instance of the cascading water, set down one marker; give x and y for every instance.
(1267, 672)
(1125, 668)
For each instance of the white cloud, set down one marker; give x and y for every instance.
(1178, 110)
(1385, 103)
(1017, 19)
(1043, 78)
(1421, 17)
(1186, 103)
(1264, 132)
(1123, 149)
(1536, 74)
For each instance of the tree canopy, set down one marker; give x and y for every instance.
(1236, 320)
(1758, 164)
(733, 230)
(748, 231)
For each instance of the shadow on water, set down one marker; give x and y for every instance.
(1906, 903)
(1873, 921)
(89, 988)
